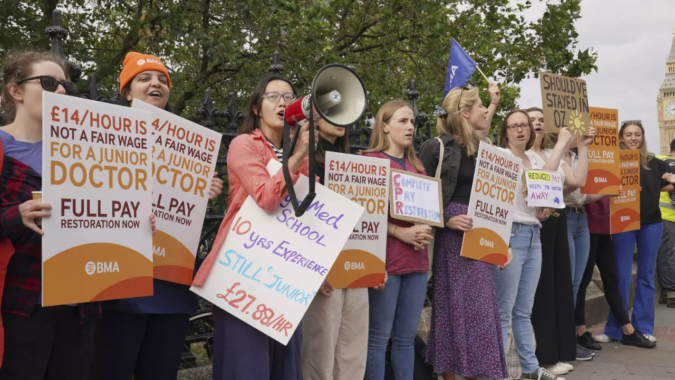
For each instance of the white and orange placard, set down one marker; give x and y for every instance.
(416, 198)
(272, 264)
(364, 180)
(491, 205)
(97, 176)
(184, 159)
(624, 210)
(603, 153)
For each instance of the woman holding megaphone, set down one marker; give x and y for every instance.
(395, 311)
(241, 351)
(144, 337)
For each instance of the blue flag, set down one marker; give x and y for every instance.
(460, 68)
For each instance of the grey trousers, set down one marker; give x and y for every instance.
(665, 263)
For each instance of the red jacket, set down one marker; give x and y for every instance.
(6, 252)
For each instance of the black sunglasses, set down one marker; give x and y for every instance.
(638, 122)
(51, 84)
(460, 95)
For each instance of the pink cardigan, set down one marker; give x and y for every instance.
(247, 159)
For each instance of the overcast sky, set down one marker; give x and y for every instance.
(633, 39)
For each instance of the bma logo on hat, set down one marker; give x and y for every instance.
(141, 62)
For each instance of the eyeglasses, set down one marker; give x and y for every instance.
(516, 127)
(51, 84)
(627, 122)
(460, 96)
(274, 96)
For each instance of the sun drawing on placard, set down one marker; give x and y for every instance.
(576, 124)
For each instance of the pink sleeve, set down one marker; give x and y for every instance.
(244, 161)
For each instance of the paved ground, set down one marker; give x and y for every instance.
(613, 362)
(618, 362)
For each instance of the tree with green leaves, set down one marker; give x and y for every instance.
(225, 46)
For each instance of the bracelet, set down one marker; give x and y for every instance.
(495, 103)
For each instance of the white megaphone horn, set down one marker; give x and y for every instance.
(337, 95)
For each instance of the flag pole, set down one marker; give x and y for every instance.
(481, 73)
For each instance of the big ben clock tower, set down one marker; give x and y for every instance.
(666, 103)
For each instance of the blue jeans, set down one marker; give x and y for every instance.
(395, 312)
(580, 245)
(648, 238)
(516, 286)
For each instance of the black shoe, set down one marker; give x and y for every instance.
(663, 297)
(587, 341)
(637, 339)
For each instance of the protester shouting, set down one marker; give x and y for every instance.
(335, 326)
(241, 351)
(553, 310)
(465, 336)
(517, 283)
(655, 176)
(395, 311)
(144, 337)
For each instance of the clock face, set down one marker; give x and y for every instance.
(670, 109)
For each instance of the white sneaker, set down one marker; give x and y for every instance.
(650, 338)
(603, 338)
(568, 366)
(558, 369)
(541, 374)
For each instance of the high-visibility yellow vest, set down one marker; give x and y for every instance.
(666, 205)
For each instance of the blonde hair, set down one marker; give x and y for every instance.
(379, 142)
(645, 156)
(459, 99)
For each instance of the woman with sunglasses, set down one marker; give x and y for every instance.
(241, 351)
(553, 311)
(465, 336)
(395, 311)
(655, 176)
(40, 343)
(517, 283)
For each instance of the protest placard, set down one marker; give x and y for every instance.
(565, 103)
(491, 205)
(97, 177)
(544, 189)
(603, 153)
(184, 159)
(364, 180)
(272, 264)
(416, 198)
(624, 210)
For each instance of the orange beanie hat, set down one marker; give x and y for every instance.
(136, 63)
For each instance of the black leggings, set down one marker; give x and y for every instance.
(602, 254)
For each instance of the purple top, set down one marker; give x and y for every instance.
(402, 258)
(28, 153)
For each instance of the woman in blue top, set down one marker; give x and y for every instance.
(143, 337)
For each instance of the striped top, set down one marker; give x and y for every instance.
(279, 152)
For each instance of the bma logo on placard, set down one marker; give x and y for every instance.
(101, 267)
